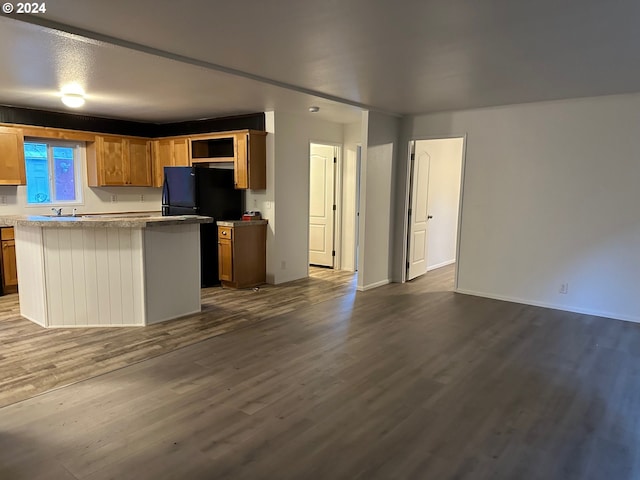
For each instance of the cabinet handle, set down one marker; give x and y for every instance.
(224, 233)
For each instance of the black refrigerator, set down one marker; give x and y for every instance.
(203, 191)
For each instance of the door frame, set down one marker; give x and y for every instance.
(407, 204)
(356, 243)
(337, 199)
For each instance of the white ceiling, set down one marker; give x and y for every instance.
(167, 61)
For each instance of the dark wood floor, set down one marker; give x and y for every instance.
(401, 382)
(34, 360)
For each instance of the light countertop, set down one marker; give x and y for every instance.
(240, 223)
(102, 220)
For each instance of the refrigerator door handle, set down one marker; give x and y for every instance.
(165, 192)
(196, 190)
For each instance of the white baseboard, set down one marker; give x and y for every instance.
(37, 322)
(161, 320)
(565, 308)
(440, 265)
(373, 285)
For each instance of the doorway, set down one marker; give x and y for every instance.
(357, 209)
(322, 204)
(435, 183)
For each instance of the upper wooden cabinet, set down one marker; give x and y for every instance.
(169, 152)
(118, 161)
(250, 163)
(181, 152)
(139, 161)
(12, 157)
(114, 160)
(245, 148)
(110, 160)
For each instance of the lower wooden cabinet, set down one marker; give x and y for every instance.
(8, 260)
(242, 254)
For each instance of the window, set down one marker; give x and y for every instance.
(53, 172)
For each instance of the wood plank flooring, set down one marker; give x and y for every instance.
(404, 382)
(34, 360)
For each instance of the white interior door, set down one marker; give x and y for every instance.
(418, 219)
(321, 205)
(357, 220)
(445, 171)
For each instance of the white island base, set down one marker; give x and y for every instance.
(108, 276)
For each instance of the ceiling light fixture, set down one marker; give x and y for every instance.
(73, 100)
(314, 109)
(73, 96)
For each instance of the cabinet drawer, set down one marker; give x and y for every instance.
(6, 233)
(225, 232)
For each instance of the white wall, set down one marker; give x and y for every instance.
(550, 196)
(95, 200)
(293, 133)
(380, 139)
(445, 170)
(352, 138)
(287, 173)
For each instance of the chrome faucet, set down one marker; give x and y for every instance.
(58, 211)
(73, 214)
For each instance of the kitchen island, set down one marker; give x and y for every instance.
(107, 270)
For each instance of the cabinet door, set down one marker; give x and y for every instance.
(162, 157)
(241, 161)
(139, 162)
(12, 157)
(225, 259)
(257, 161)
(9, 270)
(250, 161)
(181, 152)
(111, 165)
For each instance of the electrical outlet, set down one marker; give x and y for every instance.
(141, 198)
(255, 203)
(564, 288)
(268, 205)
(114, 198)
(283, 265)
(3, 199)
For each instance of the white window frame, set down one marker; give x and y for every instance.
(78, 162)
